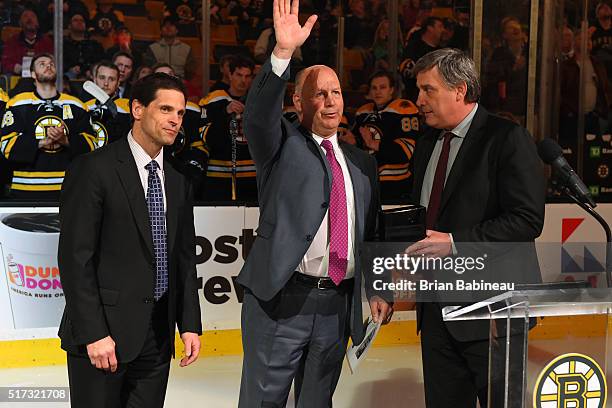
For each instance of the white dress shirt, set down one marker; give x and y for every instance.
(316, 260)
(142, 158)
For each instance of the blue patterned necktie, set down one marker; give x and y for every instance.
(157, 215)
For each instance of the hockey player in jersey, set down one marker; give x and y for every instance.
(41, 132)
(231, 171)
(389, 129)
(112, 120)
(6, 173)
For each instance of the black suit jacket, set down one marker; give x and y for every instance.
(495, 192)
(106, 257)
(294, 184)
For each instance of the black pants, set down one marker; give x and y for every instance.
(138, 383)
(456, 373)
(300, 334)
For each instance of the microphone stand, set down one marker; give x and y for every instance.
(602, 222)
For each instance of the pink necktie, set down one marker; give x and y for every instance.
(338, 219)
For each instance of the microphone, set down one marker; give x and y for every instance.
(551, 153)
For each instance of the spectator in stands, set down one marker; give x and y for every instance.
(597, 97)
(380, 47)
(69, 8)
(229, 177)
(43, 131)
(425, 40)
(602, 35)
(141, 72)
(506, 71)
(123, 41)
(567, 43)
(184, 13)
(106, 19)
(319, 47)
(461, 30)
(170, 50)
(79, 50)
(165, 68)
(223, 83)
(20, 48)
(266, 43)
(125, 63)
(410, 12)
(359, 27)
(389, 129)
(247, 20)
(111, 121)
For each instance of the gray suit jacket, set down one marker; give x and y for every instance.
(294, 183)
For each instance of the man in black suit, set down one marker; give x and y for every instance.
(127, 259)
(318, 201)
(482, 182)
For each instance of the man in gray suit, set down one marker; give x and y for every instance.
(318, 201)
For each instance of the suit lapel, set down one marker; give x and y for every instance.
(424, 148)
(130, 181)
(463, 155)
(358, 189)
(317, 150)
(171, 185)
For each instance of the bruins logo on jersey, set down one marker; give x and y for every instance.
(45, 122)
(571, 380)
(101, 133)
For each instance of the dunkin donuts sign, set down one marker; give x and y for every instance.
(29, 253)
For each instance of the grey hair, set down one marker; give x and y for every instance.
(455, 68)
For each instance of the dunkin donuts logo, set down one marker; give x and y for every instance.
(32, 280)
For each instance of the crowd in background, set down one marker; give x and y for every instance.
(132, 39)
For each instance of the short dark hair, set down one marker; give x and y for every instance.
(226, 58)
(145, 89)
(105, 64)
(168, 19)
(382, 74)
(162, 65)
(123, 54)
(241, 62)
(39, 56)
(431, 21)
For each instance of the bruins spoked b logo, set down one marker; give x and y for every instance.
(571, 381)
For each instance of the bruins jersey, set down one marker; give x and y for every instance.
(189, 152)
(3, 100)
(228, 177)
(397, 126)
(109, 126)
(39, 172)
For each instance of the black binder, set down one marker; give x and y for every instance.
(402, 224)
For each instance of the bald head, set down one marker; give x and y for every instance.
(318, 100)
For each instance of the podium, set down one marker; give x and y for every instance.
(548, 348)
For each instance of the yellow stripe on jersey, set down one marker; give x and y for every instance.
(32, 187)
(407, 146)
(402, 106)
(39, 174)
(3, 95)
(229, 162)
(215, 96)
(72, 100)
(21, 99)
(123, 105)
(199, 145)
(394, 172)
(7, 143)
(193, 107)
(239, 174)
(367, 108)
